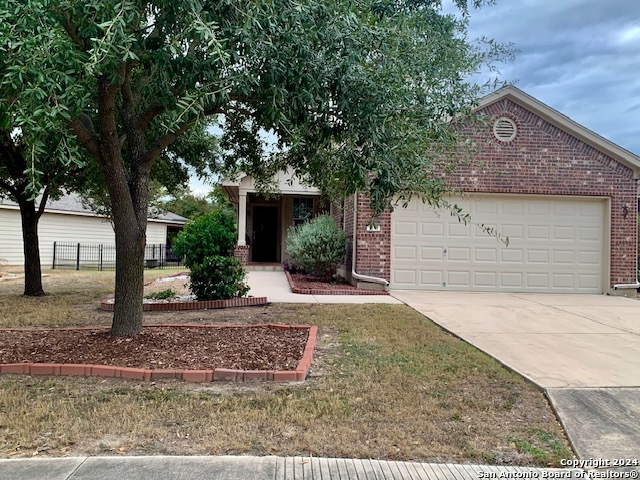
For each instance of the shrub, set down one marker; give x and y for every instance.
(318, 246)
(213, 234)
(218, 278)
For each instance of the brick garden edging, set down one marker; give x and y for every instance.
(199, 376)
(322, 291)
(194, 305)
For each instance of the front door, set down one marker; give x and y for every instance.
(265, 234)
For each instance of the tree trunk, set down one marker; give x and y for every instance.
(31, 248)
(130, 243)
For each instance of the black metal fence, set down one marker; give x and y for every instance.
(98, 256)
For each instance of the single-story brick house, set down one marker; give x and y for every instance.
(69, 220)
(565, 197)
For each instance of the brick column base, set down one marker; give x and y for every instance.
(241, 252)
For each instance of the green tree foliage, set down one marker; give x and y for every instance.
(359, 94)
(208, 235)
(185, 203)
(317, 245)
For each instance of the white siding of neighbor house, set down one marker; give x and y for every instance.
(62, 227)
(10, 236)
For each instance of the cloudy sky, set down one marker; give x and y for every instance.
(580, 57)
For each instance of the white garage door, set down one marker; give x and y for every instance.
(556, 245)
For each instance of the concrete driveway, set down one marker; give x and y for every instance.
(581, 349)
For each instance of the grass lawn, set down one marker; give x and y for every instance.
(386, 383)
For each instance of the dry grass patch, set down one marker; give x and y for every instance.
(386, 383)
(72, 298)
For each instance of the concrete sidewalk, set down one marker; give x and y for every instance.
(275, 287)
(257, 468)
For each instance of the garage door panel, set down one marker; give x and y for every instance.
(563, 280)
(588, 257)
(459, 254)
(512, 207)
(405, 253)
(431, 278)
(538, 280)
(457, 278)
(538, 232)
(588, 281)
(432, 254)
(404, 277)
(485, 279)
(432, 229)
(406, 228)
(485, 255)
(459, 230)
(565, 209)
(539, 208)
(555, 245)
(590, 210)
(512, 255)
(538, 256)
(564, 233)
(512, 231)
(586, 234)
(564, 257)
(486, 230)
(488, 207)
(512, 280)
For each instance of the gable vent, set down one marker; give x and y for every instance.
(504, 129)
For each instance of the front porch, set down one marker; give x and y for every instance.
(263, 221)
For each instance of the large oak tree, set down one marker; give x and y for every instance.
(358, 93)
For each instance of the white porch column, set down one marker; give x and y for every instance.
(242, 218)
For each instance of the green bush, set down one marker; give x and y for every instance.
(213, 234)
(318, 246)
(218, 278)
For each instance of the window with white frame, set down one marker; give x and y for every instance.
(302, 210)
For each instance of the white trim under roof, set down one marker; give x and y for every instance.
(286, 184)
(564, 123)
(173, 218)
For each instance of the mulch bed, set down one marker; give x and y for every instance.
(308, 284)
(190, 348)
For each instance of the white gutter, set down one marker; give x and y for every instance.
(354, 274)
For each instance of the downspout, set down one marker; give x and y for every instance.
(354, 274)
(626, 286)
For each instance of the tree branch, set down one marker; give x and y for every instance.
(149, 114)
(71, 30)
(163, 142)
(43, 202)
(86, 137)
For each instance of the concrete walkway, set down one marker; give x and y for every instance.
(583, 350)
(256, 468)
(275, 287)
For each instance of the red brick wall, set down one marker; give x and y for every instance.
(348, 230)
(541, 160)
(241, 252)
(373, 249)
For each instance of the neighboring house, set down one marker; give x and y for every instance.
(68, 220)
(564, 196)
